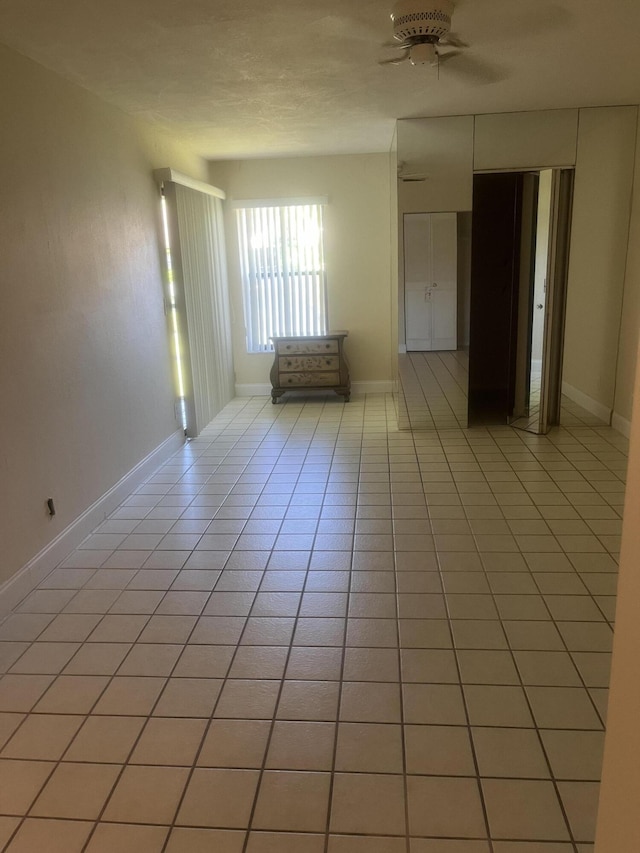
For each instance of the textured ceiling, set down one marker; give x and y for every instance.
(248, 78)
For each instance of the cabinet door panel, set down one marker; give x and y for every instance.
(418, 320)
(430, 264)
(445, 326)
(444, 249)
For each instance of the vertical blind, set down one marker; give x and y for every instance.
(196, 227)
(283, 272)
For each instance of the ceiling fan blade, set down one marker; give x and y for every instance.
(445, 57)
(454, 40)
(396, 45)
(396, 60)
(472, 69)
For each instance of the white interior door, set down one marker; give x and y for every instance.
(430, 276)
(419, 319)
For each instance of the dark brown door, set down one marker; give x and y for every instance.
(495, 278)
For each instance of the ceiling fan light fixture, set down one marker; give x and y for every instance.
(423, 54)
(418, 19)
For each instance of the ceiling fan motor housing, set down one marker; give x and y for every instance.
(429, 19)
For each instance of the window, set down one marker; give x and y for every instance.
(198, 297)
(282, 269)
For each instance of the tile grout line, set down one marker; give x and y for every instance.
(149, 716)
(235, 435)
(334, 756)
(525, 694)
(529, 706)
(403, 724)
(479, 789)
(262, 769)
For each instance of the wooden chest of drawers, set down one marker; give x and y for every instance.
(310, 362)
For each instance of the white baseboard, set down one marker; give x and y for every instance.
(402, 349)
(588, 403)
(262, 389)
(30, 575)
(621, 424)
(382, 386)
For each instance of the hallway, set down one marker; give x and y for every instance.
(310, 632)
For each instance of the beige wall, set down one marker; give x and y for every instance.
(85, 379)
(357, 250)
(602, 200)
(618, 828)
(618, 818)
(630, 325)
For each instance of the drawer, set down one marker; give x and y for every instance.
(309, 379)
(306, 347)
(308, 362)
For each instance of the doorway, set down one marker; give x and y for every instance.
(520, 251)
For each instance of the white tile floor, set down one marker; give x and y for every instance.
(311, 633)
(433, 390)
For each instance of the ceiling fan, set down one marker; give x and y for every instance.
(422, 32)
(421, 29)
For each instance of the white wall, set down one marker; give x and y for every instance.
(85, 379)
(357, 251)
(599, 238)
(528, 140)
